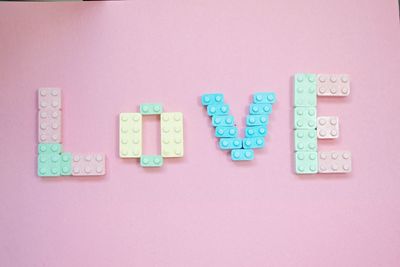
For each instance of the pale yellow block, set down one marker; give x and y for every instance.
(172, 135)
(130, 135)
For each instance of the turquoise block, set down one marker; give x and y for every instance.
(66, 164)
(208, 99)
(151, 161)
(305, 90)
(305, 118)
(256, 131)
(151, 109)
(230, 143)
(49, 149)
(227, 120)
(49, 165)
(242, 154)
(305, 140)
(228, 131)
(255, 142)
(306, 162)
(259, 109)
(264, 98)
(214, 110)
(255, 120)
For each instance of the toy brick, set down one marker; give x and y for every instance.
(242, 154)
(151, 161)
(305, 90)
(259, 109)
(334, 162)
(151, 109)
(172, 134)
(130, 135)
(256, 120)
(230, 143)
(305, 140)
(264, 98)
(256, 131)
(227, 131)
(328, 127)
(255, 142)
(227, 120)
(49, 165)
(49, 149)
(306, 162)
(88, 164)
(49, 126)
(222, 109)
(49, 98)
(66, 164)
(305, 117)
(209, 99)
(333, 85)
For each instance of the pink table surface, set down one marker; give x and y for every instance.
(202, 210)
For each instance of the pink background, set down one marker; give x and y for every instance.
(202, 210)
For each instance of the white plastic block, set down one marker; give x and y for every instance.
(49, 98)
(130, 135)
(88, 164)
(49, 126)
(333, 85)
(172, 134)
(328, 127)
(334, 162)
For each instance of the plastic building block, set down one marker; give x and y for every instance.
(256, 131)
(305, 90)
(242, 154)
(49, 98)
(255, 120)
(151, 161)
(172, 134)
(227, 120)
(49, 125)
(228, 131)
(305, 118)
(264, 98)
(130, 135)
(328, 127)
(49, 149)
(256, 142)
(208, 99)
(66, 164)
(230, 143)
(305, 140)
(49, 165)
(151, 109)
(306, 162)
(222, 109)
(333, 85)
(259, 109)
(334, 162)
(88, 164)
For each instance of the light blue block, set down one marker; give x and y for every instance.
(214, 110)
(228, 131)
(305, 140)
(66, 164)
(256, 131)
(264, 98)
(230, 143)
(227, 120)
(305, 118)
(306, 162)
(242, 154)
(256, 120)
(305, 90)
(255, 142)
(151, 109)
(49, 165)
(49, 149)
(259, 109)
(208, 99)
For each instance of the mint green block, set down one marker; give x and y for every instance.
(49, 149)
(151, 109)
(66, 164)
(305, 140)
(49, 165)
(305, 118)
(306, 162)
(305, 90)
(151, 161)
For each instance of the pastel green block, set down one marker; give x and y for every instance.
(49, 149)
(305, 118)
(49, 165)
(305, 140)
(306, 162)
(66, 164)
(151, 109)
(151, 161)
(305, 90)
